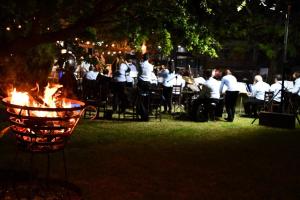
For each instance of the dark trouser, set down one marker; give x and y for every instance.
(295, 100)
(119, 96)
(251, 105)
(167, 94)
(143, 99)
(215, 108)
(230, 102)
(129, 84)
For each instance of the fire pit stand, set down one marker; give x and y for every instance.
(43, 129)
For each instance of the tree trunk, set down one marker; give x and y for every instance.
(273, 69)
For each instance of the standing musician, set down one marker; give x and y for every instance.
(231, 94)
(119, 83)
(167, 83)
(144, 83)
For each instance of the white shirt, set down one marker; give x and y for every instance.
(120, 74)
(178, 80)
(259, 89)
(132, 74)
(275, 88)
(85, 66)
(146, 70)
(153, 79)
(214, 85)
(168, 78)
(296, 88)
(231, 83)
(199, 80)
(91, 75)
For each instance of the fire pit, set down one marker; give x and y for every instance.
(42, 133)
(42, 127)
(41, 124)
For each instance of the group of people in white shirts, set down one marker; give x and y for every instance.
(126, 73)
(259, 88)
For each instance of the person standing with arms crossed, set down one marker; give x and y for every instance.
(231, 94)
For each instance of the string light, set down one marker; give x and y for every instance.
(48, 28)
(63, 51)
(8, 28)
(19, 26)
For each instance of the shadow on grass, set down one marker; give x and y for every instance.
(20, 185)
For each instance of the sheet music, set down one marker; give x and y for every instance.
(242, 87)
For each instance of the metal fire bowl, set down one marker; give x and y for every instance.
(43, 134)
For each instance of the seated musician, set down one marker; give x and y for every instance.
(276, 88)
(92, 73)
(131, 73)
(178, 80)
(296, 91)
(216, 103)
(256, 97)
(104, 82)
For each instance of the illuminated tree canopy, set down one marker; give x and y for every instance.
(200, 25)
(25, 24)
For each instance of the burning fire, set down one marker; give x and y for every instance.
(42, 123)
(50, 99)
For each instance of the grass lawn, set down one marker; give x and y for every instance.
(176, 160)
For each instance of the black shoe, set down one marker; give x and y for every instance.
(229, 119)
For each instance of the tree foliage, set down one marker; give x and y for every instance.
(200, 25)
(33, 22)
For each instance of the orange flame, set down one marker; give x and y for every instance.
(48, 100)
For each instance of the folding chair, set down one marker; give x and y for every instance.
(267, 105)
(176, 97)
